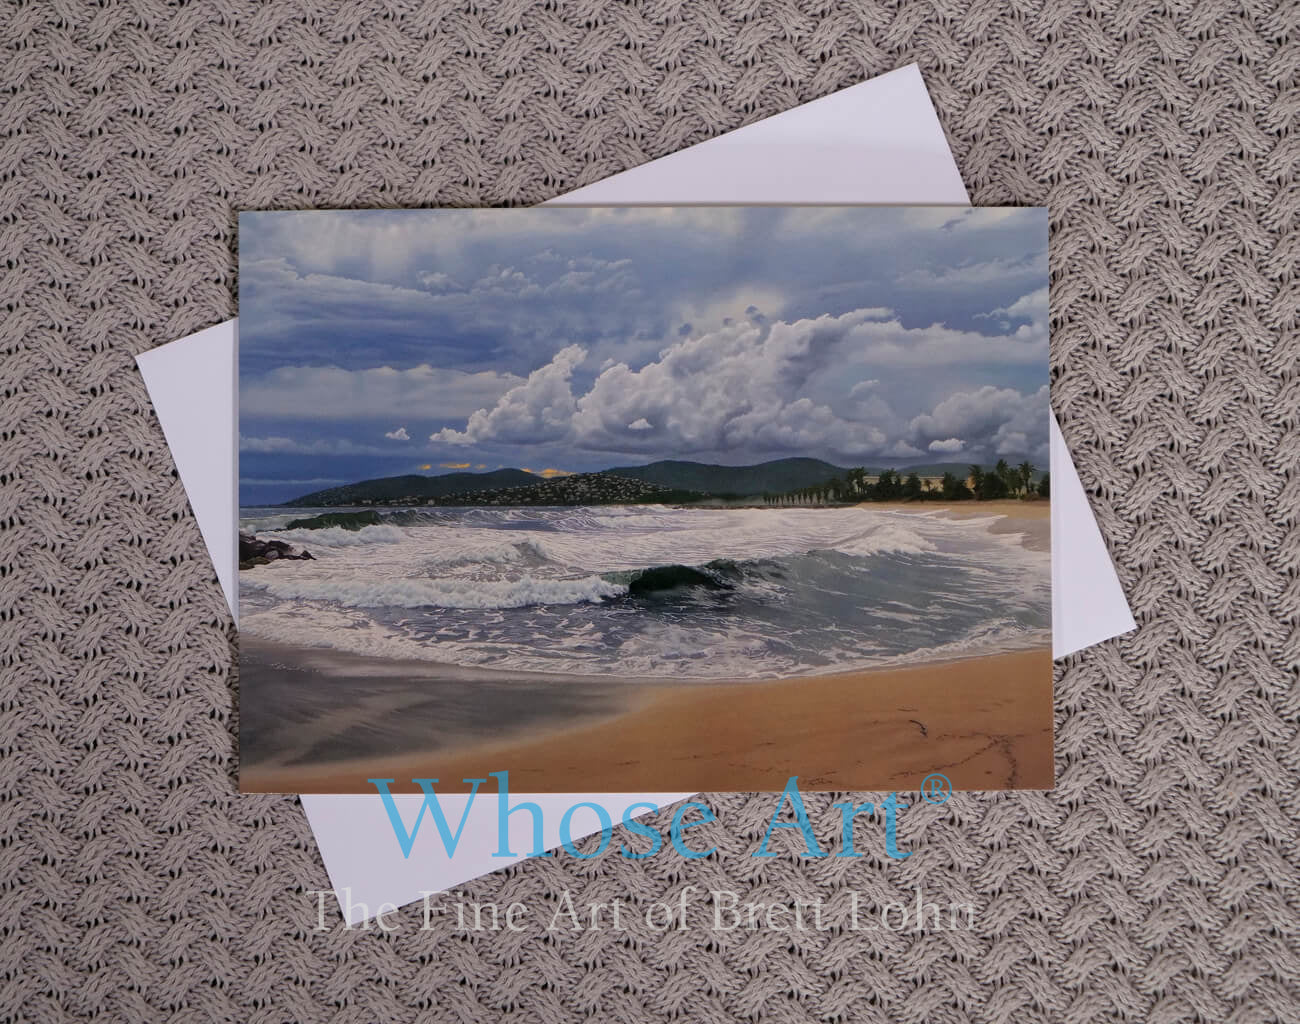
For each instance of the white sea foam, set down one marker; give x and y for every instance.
(439, 593)
(591, 542)
(460, 551)
(999, 636)
(607, 542)
(338, 537)
(339, 629)
(886, 538)
(259, 524)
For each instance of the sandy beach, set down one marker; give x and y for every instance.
(986, 723)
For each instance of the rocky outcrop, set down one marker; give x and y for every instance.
(254, 551)
(345, 520)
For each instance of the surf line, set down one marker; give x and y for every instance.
(889, 809)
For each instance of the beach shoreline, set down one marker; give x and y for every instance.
(985, 722)
(1030, 519)
(328, 720)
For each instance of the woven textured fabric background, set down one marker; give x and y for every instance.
(1158, 882)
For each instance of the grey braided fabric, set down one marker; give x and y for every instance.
(1158, 882)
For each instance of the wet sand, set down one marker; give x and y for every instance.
(985, 723)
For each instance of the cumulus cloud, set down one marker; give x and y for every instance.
(889, 344)
(436, 281)
(990, 420)
(399, 434)
(540, 409)
(1033, 306)
(745, 386)
(331, 393)
(741, 386)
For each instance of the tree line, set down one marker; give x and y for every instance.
(980, 484)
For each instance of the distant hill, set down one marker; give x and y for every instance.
(413, 485)
(670, 480)
(777, 476)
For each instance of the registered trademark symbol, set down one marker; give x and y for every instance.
(935, 789)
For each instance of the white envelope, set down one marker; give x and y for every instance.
(878, 142)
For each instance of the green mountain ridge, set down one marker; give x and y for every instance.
(414, 485)
(776, 475)
(779, 476)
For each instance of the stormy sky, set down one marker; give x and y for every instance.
(567, 339)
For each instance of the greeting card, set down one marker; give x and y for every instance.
(644, 498)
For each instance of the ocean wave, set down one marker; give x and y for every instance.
(653, 592)
(443, 593)
(498, 553)
(338, 537)
(997, 636)
(472, 517)
(885, 539)
(263, 523)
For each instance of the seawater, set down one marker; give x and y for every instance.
(651, 591)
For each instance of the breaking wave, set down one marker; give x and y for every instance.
(654, 591)
(419, 593)
(340, 537)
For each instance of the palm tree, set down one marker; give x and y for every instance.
(977, 481)
(1026, 471)
(1003, 472)
(954, 489)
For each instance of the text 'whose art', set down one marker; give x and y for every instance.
(849, 813)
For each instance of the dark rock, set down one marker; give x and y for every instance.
(346, 520)
(255, 551)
